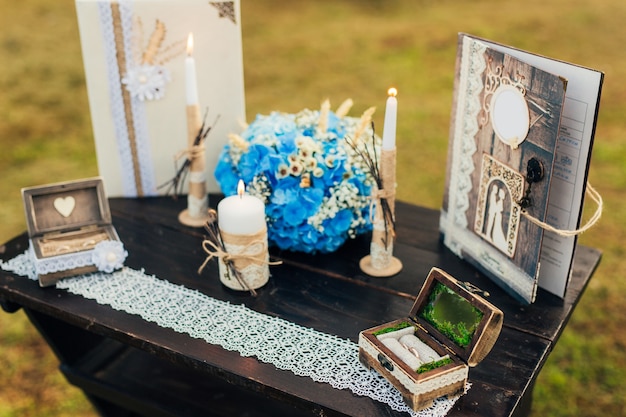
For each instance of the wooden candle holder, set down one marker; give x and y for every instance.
(381, 262)
(196, 213)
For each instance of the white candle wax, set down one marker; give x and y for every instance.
(191, 85)
(241, 214)
(391, 114)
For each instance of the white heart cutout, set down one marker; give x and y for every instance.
(65, 205)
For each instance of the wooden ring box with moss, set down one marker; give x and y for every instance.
(452, 320)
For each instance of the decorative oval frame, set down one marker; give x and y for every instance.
(510, 115)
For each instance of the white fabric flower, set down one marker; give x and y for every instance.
(147, 82)
(109, 255)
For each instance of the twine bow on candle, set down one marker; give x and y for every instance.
(381, 194)
(196, 150)
(190, 153)
(253, 250)
(385, 212)
(215, 251)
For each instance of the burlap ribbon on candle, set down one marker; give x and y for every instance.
(195, 153)
(247, 254)
(197, 179)
(388, 176)
(246, 250)
(383, 223)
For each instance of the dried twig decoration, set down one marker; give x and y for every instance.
(175, 185)
(216, 243)
(371, 161)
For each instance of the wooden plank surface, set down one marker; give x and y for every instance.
(324, 291)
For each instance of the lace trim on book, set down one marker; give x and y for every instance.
(128, 113)
(464, 146)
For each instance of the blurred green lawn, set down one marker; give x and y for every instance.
(297, 53)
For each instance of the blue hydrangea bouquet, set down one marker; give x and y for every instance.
(315, 186)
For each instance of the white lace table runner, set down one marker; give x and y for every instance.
(303, 351)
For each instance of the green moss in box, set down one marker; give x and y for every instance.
(452, 315)
(399, 326)
(433, 365)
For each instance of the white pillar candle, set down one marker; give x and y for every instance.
(241, 220)
(391, 115)
(191, 85)
(241, 214)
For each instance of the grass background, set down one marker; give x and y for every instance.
(296, 54)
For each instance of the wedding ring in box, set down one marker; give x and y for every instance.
(66, 221)
(427, 355)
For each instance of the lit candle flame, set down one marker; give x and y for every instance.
(392, 92)
(241, 188)
(190, 44)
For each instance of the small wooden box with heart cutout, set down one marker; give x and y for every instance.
(65, 222)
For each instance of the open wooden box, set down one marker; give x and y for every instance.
(428, 354)
(65, 222)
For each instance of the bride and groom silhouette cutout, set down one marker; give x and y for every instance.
(497, 216)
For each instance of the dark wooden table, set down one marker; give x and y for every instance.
(127, 366)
